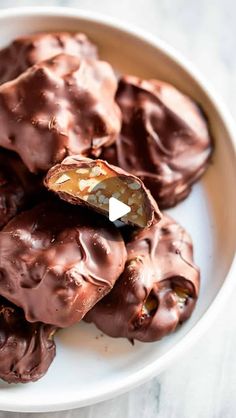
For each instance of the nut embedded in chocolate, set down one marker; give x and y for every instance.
(17, 186)
(93, 182)
(158, 288)
(26, 350)
(59, 107)
(25, 51)
(164, 138)
(57, 261)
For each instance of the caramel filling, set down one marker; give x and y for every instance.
(150, 306)
(96, 184)
(182, 295)
(148, 310)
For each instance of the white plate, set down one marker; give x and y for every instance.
(90, 367)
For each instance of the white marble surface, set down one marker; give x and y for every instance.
(203, 382)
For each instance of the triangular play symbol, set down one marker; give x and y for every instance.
(117, 209)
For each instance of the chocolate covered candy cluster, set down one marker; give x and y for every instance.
(18, 187)
(63, 257)
(72, 137)
(26, 51)
(164, 138)
(158, 288)
(58, 107)
(26, 349)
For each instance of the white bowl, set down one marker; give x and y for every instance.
(90, 367)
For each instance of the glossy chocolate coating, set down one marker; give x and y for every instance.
(17, 186)
(26, 350)
(25, 51)
(75, 163)
(164, 139)
(59, 107)
(57, 261)
(158, 288)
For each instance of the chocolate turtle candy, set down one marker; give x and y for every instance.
(26, 350)
(57, 261)
(17, 186)
(164, 139)
(25, 51)
(92, 183)
(61, 106)
(157, 290)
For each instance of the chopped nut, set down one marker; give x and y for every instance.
(182, 296)
(82, 171)
(116, 195)
(92, 183)
(100, 185)
(131, 201)
(92, 198)
(140, 211)
(181, 302)
(96, 171)
(134, 186)
(82, 184)
(101, 198)
(62, 179)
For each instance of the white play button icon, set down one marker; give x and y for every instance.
(117, 209)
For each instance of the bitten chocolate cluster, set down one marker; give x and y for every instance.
(73, 136)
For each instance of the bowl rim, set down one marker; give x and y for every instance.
(139, 377)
